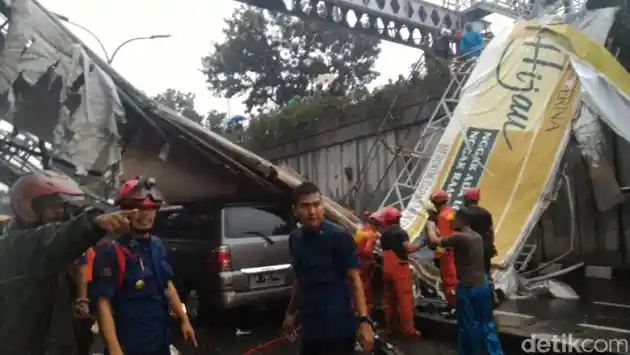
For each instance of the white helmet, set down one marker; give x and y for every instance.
(445, 32)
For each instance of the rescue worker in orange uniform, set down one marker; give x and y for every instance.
(365, 238)
(446, 257)
(397, 278)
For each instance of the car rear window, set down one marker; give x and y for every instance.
(250, 221)
(186, 224)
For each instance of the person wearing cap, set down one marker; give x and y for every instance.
(442, 45)
(481, 222)
(397, 277)
(431, 226)
(475, 324)
(365, 238)
(445, 257)
(132, 281)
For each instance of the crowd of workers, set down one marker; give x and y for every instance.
(463, 241)
(334, 268)
(60, 273)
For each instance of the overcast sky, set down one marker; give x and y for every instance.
(153, 66)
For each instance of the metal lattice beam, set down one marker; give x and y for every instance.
(415, 162)
(407, 22)
(472, 10)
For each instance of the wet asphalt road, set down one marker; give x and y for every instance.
(235, 333)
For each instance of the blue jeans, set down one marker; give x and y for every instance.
(475, 323)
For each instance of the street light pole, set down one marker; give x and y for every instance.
(66, 19)
(108, 58)
(111, 59)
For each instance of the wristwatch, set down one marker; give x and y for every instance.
(366, 319)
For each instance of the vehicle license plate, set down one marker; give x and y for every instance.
(266, 280)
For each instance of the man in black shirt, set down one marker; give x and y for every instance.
(397, 277)
(481, 222)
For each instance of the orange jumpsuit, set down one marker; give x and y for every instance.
(397, 283)
(447, 256)
(365, 238)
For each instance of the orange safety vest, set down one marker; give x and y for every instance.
(365, 231)
(89, 264)
(445, 221)
(445, 224)
(364, 239)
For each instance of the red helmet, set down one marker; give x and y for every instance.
(390, 214)
(377, 216)
(31, 191)
(439, 196)
(472, 194)
(139, 192)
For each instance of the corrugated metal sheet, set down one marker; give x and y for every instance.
(337, 169)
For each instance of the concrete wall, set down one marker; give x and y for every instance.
(337, 158)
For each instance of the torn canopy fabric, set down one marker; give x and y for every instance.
(605, 84)
(52, 76)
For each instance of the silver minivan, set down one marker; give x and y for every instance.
(254, 259)
(232, 256)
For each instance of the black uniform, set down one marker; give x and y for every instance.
(36, 303)
(394, 238)
(481, 222)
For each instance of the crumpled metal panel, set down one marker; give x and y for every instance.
(81, 133)
(587, 128)
(81, 136)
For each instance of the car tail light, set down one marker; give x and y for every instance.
(223, 258)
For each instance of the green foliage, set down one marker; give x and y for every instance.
(271, 58)
(184, 104)
(307, 117)
(214, 121)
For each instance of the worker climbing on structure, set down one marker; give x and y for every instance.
(397, 277)
(50, 230)
(132, 285)
(365, 239)
(444, 256)
(471, 43)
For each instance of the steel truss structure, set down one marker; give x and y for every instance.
(408, 22)
(416, 159)
(19, 154)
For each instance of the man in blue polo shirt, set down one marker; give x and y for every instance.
(327, 281)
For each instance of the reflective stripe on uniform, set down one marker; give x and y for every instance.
(89, 255)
